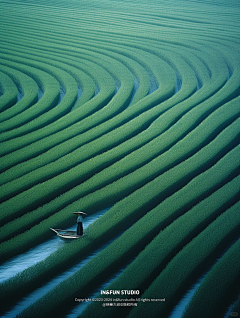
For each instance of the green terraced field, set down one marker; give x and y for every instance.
(133, 108)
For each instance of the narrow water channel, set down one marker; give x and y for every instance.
(80, 307)
(40, 292)
(26, 260)
(179, 309)
(136, 87)
(230, 311)
(185, 300)
(40, 252)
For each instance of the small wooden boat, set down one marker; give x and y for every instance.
(65, 234)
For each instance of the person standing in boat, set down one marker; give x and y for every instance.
(80, 222)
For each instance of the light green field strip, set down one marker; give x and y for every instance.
(167, 183)
(75, 51)
(82, 70)
(164, 21)
(208, 26)
(28, 88)
(117, 219)
(85, 81)
(104, 141)
(88, 86)
(166, 162)
(134, 163)
(124, 248)
(135, 68)
(167, 242)
(118, 101)
(71, 118)
(10, 92)
(72, 144)
(66, 81)
(220, 281)
(188, 145)
(15, 156)
(166, 90)
(114, 19)
(177, 133)
(48, 36)
(194, 258)
(46, 82)
(159, 36)
(79, 29)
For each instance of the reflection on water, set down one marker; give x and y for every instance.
(230, 310)
(179, 309)
(40, 292)
(80, 307)
(40, 252)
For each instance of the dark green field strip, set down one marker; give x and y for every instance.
(206, 131)
(48, 154)
(46, 82)
(29, 90)
(145, 103)
(197, 27)
(71, 52)
(213, 295)
(10, 92)
(116, 169)
(128, 21)
(130, 63)
(88, 86)
(21, 121)
(59, 150)
(71, 16)
(127, 246)
(165, 184)
(168, 242)
(83, 111)
(117, 219)
(118, 101)
(194, 258)
(84, 80)
(236, 307)
(152, 129)
(73, 38)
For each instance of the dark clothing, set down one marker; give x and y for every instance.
(79, 229)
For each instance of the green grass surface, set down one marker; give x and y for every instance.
(133, 106)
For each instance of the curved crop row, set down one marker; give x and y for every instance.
(47, 83)
(18, 124)
(9, 92)
(121, 214)
(28, 88)
(82, 127)
(193, 260)
(148, 153)
(133, 106)
(55, 301)
(220, 283)
(165, 245)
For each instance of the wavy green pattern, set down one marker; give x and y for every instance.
(128, 105)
